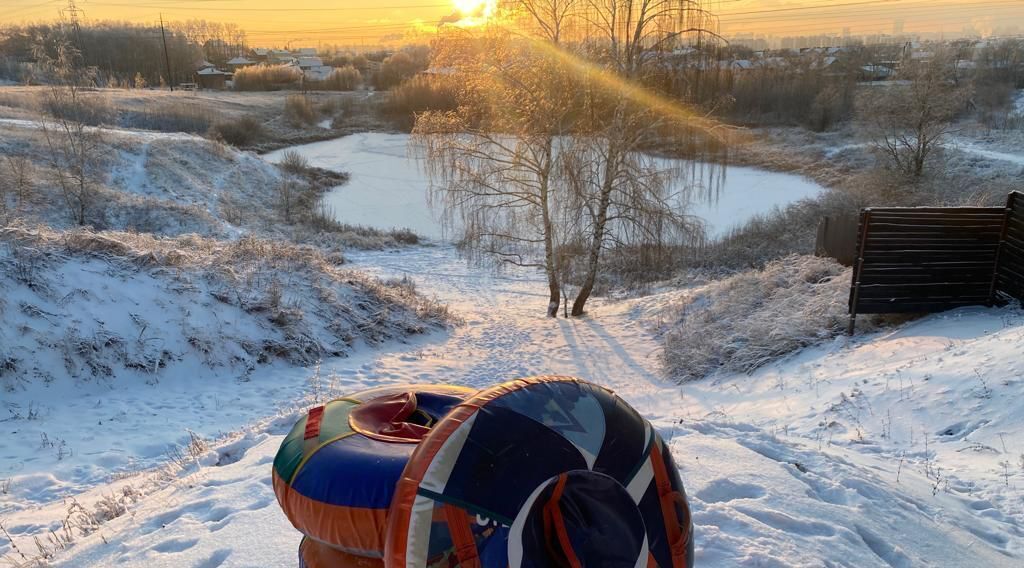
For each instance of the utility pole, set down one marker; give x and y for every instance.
(167, 59)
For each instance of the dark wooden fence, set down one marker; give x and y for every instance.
(837, 238)
(1010, 263)
(929, 259)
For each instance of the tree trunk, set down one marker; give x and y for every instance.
(550, 266)
(600, 221)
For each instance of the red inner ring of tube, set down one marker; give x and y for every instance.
(391, 418)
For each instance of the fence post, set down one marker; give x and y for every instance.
(865, 220)
(999, 248)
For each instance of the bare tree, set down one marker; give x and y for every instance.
(15, 181)
(544, 158)
(626, 195)
(908, 122)
(494, 162)
(73, 148)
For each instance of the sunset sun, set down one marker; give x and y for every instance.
(477, 9)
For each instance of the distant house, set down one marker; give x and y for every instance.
(875, 72)
(280, 56)
(307, 63)
(212, 78)
(237, 63)
(307, 52)
(737, 65)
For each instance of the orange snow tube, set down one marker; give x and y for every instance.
(336, 471)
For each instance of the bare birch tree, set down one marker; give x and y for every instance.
(628, 196)
(495, 161)
(73, 147)
(546, 150)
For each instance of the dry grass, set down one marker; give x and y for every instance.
(174, 116)
(240, 132)
(741, 323)
(298, 110)
(266, 78)
(419, 94)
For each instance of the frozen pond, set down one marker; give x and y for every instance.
(388, 189)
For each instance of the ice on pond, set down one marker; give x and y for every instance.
(388, 188)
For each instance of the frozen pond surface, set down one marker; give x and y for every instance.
(388, 188)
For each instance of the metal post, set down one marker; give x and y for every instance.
(865, 220)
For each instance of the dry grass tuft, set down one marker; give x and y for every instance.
(743, 322)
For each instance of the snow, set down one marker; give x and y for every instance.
(899, 448)
(768, 485)
(388, 189)
(140, 349)
(974, 148)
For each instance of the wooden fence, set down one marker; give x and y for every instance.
(837, 238)
(1010, 262)
(928, 259)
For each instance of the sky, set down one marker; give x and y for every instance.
(312, 22)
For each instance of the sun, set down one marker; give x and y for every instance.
(474, 8)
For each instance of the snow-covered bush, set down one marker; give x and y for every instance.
(747, 320)
(93, 304)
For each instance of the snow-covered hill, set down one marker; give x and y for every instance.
(807, 462)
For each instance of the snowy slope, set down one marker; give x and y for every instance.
(113, 345)
(157, 182)
(767, 488)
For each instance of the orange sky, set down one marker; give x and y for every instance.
(309, 22)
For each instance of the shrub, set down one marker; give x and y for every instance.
(294, 162)
(298, 109)
(419, 94)
(240, 132)
(266, 78)
(92, 109)
(750, 319)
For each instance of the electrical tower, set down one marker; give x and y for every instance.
(73, 15)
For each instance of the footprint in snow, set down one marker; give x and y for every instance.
(215, 559)
(722, 490)
(174, 545)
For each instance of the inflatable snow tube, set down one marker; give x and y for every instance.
(538, 472)
(312, 554)
(336, 471)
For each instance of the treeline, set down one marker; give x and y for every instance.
(122, 53)
(817, 90)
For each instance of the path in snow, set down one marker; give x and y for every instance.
(759, 498)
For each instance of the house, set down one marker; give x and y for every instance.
(306, 63)
(875, 72)
(237, 63)
(307, 52)
(280, 56)
(737, 65)
(212, 78)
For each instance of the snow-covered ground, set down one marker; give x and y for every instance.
(388, 189)
(807, 463)
(901, 448)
